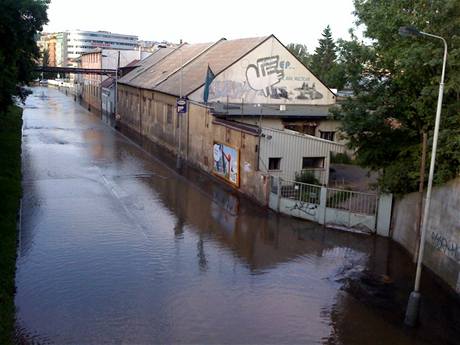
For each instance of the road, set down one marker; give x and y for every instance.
(117, 248)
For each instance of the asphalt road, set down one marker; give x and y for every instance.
(117, 248)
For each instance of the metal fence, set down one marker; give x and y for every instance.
(300, 191)
(333, 207)
(356, 202)
(341, 199)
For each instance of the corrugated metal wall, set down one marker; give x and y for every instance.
(291, 147)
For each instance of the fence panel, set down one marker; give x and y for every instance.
(330, 206)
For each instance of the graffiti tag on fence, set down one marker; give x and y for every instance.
(305, 207)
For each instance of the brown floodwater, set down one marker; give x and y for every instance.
(116, 247)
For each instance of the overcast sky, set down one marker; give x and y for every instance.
(298, 21)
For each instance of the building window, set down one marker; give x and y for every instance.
(312, 162)
(274, 163)
(169, 114)
(327, 135)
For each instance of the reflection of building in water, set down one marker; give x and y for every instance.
(256, 236)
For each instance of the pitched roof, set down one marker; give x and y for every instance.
(133, 63)
(145, 64)
(107, 82)
(191, 61)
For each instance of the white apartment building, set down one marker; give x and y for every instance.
(79, 42)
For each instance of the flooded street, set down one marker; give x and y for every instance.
(117, 248)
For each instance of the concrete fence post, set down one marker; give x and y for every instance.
(278, 190)
(384, 214)
(322, 205)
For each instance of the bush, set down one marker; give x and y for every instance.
(10, 190)
(341, 158)
(306, 177)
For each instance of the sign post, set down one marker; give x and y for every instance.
(181, 108)
(181, 105)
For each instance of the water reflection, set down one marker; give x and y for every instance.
(118, 248)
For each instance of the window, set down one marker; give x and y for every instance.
(169, 116)
(327, 135)
(274, 163)
(312, 162)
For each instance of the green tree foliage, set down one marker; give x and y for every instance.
(354, 59)
(396, 96)
(301, 52)
(324, 61)
(20, 20)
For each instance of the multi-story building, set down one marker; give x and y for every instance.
(80, 42)
(66, 46)
(61, 49)
(47, 41)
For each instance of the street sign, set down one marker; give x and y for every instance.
(181, 105)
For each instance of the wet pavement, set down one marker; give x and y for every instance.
(117, 248)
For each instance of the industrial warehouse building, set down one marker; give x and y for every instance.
(253, 111)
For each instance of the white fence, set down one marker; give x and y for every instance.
(363, 212)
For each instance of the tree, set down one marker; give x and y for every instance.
(395, 100)
(324, 61)
(20, 21)
(301, 52)
(354, 59)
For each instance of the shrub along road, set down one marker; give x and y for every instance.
(10, 191)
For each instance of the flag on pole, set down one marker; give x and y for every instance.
(209, 78)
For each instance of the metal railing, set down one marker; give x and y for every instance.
(356, 202)
(341, 199)
(300, 191)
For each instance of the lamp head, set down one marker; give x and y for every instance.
(409, 31)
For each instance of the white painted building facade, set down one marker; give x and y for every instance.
(79, 42)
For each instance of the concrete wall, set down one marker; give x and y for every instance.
(146, 112)
(442, 244)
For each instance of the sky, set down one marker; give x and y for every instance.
(296, 21)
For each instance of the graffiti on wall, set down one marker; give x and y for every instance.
(229, 88)
(448, 247)
(267, 77)
(226, 163)
(264, 75)
(305, 207)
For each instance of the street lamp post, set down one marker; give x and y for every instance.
(413, 304)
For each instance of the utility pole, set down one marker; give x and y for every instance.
(179, 160)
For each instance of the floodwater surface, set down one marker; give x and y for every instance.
(117, 248)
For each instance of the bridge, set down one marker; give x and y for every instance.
(76, 70)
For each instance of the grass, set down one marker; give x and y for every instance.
(10, 194)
